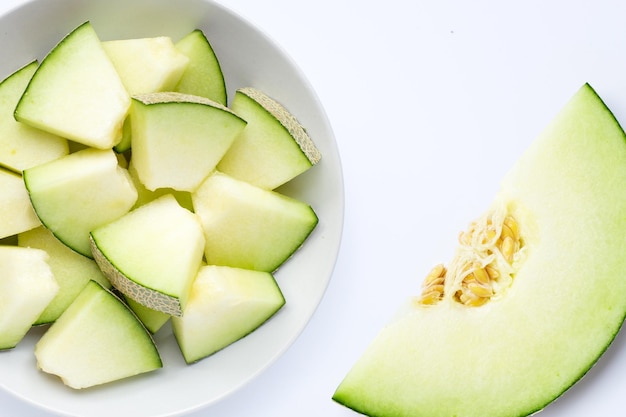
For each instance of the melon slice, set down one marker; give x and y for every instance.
(178, 139)
(76, 92)
(144, 196)
(248, 227)
(97, 340)
(74, 194)
(273, 148)
(534, 295)
(153, 320)
(225, 305)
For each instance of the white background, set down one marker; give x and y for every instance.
(430, 102)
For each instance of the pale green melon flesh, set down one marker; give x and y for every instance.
(16, 211)
(273, 148)
(22, 146)
(144, 196)
(517, 353)
(178, 139)
(76, 92)
(146, 65)
(71, 270)
(203, 75)
(225, 305)
(249, 227)
(74, 194)
(95, 341)
(27, 285)
(152, 254)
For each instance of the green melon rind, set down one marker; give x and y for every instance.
(515, 355)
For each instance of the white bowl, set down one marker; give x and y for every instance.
(248, 58)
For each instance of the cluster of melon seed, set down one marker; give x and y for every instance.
(432, 288)
(486, 250)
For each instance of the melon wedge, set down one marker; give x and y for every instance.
(225, 305)
(534, 295)
(203, 75)
(273, 148)
(152, 254)
(97, 340)
(76, 92)
(249, 227)
(74, 194)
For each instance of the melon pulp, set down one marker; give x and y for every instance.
(76, 93)
(96, 340)
(27, 286)
(554, 297)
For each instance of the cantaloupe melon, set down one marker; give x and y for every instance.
(534, 295)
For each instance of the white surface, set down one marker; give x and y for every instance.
(430, 104)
